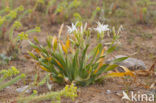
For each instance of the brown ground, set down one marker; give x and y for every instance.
(133, 43)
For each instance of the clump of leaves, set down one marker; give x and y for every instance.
(10, 21)
(6, 74)
(69, 91)
(74, 60)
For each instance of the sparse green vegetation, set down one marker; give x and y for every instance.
(5, 74)
(54, 57)
(68, 91)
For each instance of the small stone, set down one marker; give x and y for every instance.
(108, 92)
(8, 87)
(49, 86)
(130, 63)
(153, 86)
(23, 88)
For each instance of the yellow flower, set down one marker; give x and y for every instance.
(22, 36)
(17, 24)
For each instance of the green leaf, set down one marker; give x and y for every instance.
(110, 67)
(111, 49)
(33, 45)
(32, 55)
(94, 54)
(118, 60)
(102, 69)
(82, 61)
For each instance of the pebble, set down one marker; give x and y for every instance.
(108, 92)
(19, 90)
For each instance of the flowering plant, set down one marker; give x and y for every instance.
(101, 29)
(74, 61)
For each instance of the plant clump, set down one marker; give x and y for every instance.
(71, 61)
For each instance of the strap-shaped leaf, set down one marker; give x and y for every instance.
(94, 54)
(110, 67)
(119, 74)
(33, 45)
(33, 56)
(110, 49)
(101, 70)
(118, 60)
(82, 61)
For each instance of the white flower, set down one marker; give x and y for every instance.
(101, 28)
(72, 28)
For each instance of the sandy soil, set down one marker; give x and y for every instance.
(132, 44)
